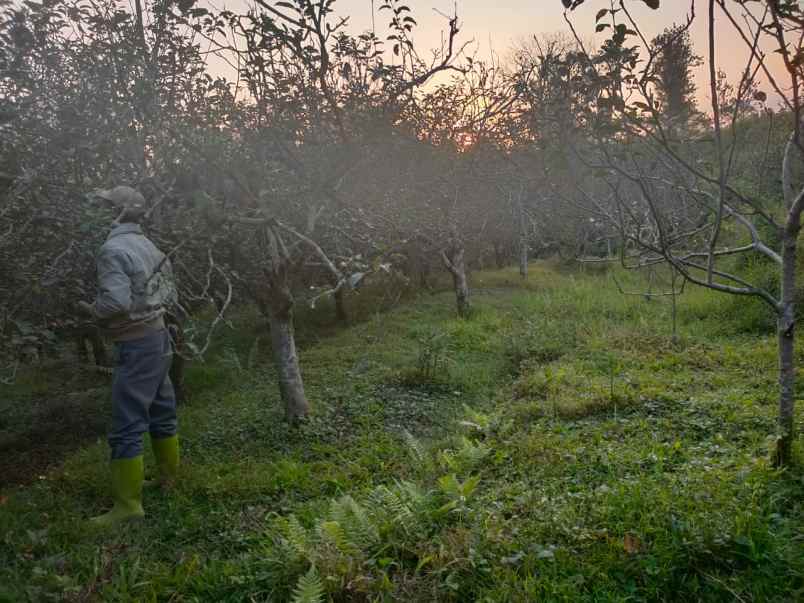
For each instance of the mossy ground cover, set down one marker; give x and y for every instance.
(557, 445)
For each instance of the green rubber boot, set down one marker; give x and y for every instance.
(127, 475)
(166, 453)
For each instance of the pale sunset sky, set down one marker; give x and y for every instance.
(499, 25)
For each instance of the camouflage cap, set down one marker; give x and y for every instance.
(123, 197)
(129, 201)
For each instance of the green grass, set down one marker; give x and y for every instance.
(555, 446)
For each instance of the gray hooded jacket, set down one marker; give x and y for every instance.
(135, 284)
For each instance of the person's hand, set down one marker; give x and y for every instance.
(86, 308)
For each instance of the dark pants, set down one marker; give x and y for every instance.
(142, 394)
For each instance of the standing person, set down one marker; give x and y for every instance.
(135, 283)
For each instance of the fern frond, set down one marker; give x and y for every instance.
(472, 453)
(361, 525)
(410, 492)
(295, 536)
(333, 532)
(359, 529)
(396, 507)
(338, 510)
(309, 588)
(415, 447)
(469, 486)
(450, 485)
(381, 501)
(449, 461)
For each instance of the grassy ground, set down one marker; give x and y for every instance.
(556, 446)
(61, 407)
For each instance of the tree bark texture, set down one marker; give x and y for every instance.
(276, 297)
(283, 346)
(455, 263)
(793, 186)
(787, 367)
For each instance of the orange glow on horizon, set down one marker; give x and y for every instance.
(496, 28)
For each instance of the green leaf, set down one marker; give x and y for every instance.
(470, 485)
(422, 562)
(446, 508)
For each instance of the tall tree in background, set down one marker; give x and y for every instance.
(675, 86)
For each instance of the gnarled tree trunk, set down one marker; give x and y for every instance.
(286, 360)
(278, 300)
(454, 261)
